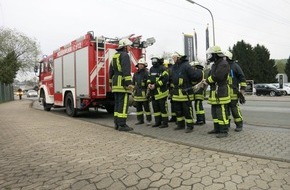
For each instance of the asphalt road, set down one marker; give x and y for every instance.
(261, 111)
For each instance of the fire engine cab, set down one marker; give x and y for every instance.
(76, 76)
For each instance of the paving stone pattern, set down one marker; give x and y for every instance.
(42, 150)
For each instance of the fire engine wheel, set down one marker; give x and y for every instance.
(69, 105)
(46, 107)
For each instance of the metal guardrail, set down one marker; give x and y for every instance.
(6, 92)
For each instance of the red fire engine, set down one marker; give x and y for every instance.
(76, 76)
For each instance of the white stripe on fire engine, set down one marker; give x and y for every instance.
(98, 66)
(133, 59)
(47, 78)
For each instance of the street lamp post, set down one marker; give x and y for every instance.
(213, 33)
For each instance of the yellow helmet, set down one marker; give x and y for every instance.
(166, 62)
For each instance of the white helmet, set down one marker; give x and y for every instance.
(124, 42)
(176, 54)
(155, 56)
(195, 63)
(229, 55)
(142, 61)
(214, 49)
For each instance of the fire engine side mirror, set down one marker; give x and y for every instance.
(150, 41)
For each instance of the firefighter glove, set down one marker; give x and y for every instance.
(242, 98)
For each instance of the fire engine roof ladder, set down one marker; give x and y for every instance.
(101, 65)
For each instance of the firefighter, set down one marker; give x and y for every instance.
(157, 83)
(139, 94)
(169, 64)
(182, 81)
(121, 83)
(219, 96)
(237, 83)
(199, 94)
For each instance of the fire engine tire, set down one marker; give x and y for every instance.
(69, 105)
(46, 106)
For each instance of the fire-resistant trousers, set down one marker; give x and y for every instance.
(220, 117)
(199, 110)
(121, 108)
(141, 107)
(160, 110)
(184, 113)
(234, 108)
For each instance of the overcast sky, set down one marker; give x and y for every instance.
(55, 23)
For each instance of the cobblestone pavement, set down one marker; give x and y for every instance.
(42, 150)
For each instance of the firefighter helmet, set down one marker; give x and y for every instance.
(176, 54)
(156, 60)
(229, 55)
(214, 49)
(124, 42)
(166, 62)
(155, 57)
(213, 52)
(195, 63)
(142, 61)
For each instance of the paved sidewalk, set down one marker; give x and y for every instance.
(42, 150)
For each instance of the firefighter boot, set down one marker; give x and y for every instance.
(139, 122)
(189, 129)
(223, 131)
(116, 123)
(125, 128)
(216, 129)
(200, 119)
(157, 121)
(180, 125)
(148, 119)
(172, 119)
(239, 126)
(140, 119)
(164, 122)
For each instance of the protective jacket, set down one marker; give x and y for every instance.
(182, 80)
(120, 72)
(200, 93)
(236, 80)
(158, 75)
(140, 85)
(219, 88)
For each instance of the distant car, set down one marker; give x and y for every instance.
(285, 88)
(268, 89)
(31, 93)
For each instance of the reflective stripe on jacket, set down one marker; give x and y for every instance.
(120, 72)
(159, 76)
(182, 80)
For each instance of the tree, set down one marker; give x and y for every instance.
(255, 62)
(17, 53)
(244, 54)
(267, 70)
(287, 68)
(8, 68)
